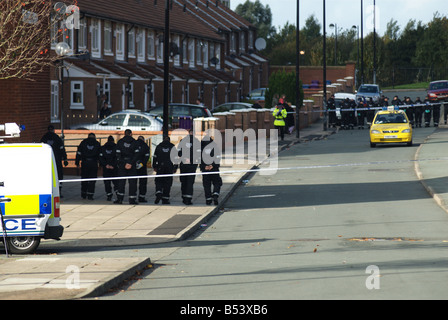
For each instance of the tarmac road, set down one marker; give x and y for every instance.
(367, 231)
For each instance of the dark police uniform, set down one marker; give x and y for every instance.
(127, 154)
(427, 109)
(189, 152)
(56, 143)
(88, 154)
(142, 160)
(163, 164)
(108, 160)
(210, 162)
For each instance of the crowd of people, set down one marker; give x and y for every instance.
(349, 113)
(127, 160)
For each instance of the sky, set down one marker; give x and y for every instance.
(346, 13)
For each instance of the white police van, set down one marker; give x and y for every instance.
(29, 196)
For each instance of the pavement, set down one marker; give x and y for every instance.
(54, 273)
(91, 225)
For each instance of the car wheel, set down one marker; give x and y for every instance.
(409, 143)
(22, 245)
(372, 145)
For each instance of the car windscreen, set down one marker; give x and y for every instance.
(390, 118)
(368, 89)
(438, 85)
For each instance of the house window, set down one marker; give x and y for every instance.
(107, 37)
(68, 36)
(159, 49)
(185, 51)
(177, 57)
(141, 38)
(199, 45)
(82, 35)
(232, 43)
(55, 101)
(218, 55)
(205, 54)
(119, 44)
(251, 40)
(131, 95)
(242, 42)
(150, 48)
(77, 95)
(95, 29)
(191, 52)
(131, 43)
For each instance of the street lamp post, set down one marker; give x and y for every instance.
(166, 68)
(297, 72)
(335, 26)
(324, 99)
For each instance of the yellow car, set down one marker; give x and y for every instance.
(391, 126)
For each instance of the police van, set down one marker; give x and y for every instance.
(29, 196)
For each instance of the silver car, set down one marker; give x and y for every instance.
(369, 91)
(128, 119)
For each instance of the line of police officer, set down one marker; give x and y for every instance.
(349, 113)
(128, 158)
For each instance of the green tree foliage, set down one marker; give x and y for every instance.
(282, 82)
(259, 15)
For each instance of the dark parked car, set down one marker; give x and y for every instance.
(181, 115)
(438, 90)
(233, 106)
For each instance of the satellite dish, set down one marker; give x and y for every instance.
(260, 44)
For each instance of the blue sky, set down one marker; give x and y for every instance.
(346, 13)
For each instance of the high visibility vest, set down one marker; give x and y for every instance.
(279, 117)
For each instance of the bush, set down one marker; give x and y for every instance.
(282, 82)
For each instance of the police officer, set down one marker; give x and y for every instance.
(436, 112)
(370, 114)
(88, 154)
(331, 106)
(418, 111)
(360, 114)
(409, 109)
(163, 164)
(60, 155)
(142, 161)
(210, 162)
(127, 155)
(108, 160)
(189, 152)
(280, 115)
(427, 109)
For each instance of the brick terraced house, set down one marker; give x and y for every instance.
(118, 57)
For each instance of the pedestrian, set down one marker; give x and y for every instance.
(163, 165)
(60, 154)
(370, 114)
(427, 109)
(279, 119)
(189, 152)
(418, 111)
(105, 110)
(127, 154)
(360, 113)
(436, 112)
(88, 154)
(210, 162)
(142, 170)
(409, 110)
(108, 160)
(289, 121)
(331, 106)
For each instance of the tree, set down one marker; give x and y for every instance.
(25, 29)
(259, 15)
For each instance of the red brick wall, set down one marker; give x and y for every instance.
(27, 103)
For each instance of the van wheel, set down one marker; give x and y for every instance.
(22, 245)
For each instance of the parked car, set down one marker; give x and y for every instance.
(182, 110)
(128, 119)
(233, 106)
(369, 91)
(257, 94)
(438, 90)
